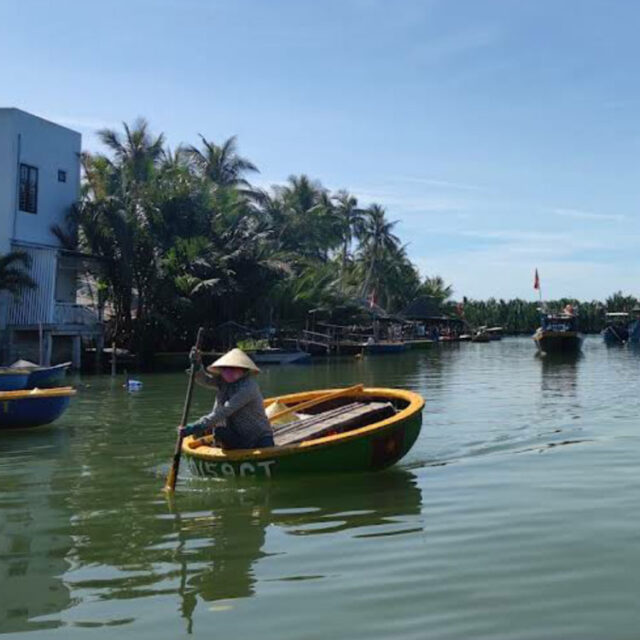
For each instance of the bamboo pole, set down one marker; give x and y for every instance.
(172, 477)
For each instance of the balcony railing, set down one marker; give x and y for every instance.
(71, 313)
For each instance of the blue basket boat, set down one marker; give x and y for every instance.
(42, 377)
(34, 407)
(13, 379)
(45, 377)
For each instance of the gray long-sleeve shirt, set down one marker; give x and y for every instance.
(238, 406)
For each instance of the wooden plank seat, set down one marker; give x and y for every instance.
(338, 420)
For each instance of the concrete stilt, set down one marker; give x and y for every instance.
(47, 349)
(76, 352)
(99, 349)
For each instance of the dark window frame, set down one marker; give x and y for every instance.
(28, 189)
(62, 175)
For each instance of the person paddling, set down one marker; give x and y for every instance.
(238, 418)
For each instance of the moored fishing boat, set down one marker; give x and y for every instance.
(480, 335)
(558, 333)
(278, 356)
(350, 347)
(385, 347)
(42, 377)
(366, 430)
(33, 407)
(616, 330)
(634, 327)
(495, 333)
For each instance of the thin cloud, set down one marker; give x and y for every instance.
(446, 184)
(409, 204)
(588, 215)
(454, 45)
(83, 122)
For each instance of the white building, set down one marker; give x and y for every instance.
(39, 182)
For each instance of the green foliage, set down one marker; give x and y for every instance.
(184, 239)
(436, 288)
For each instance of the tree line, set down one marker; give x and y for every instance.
(521, 316)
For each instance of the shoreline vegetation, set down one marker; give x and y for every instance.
(181, 238)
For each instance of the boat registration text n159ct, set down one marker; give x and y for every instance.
(227, 470)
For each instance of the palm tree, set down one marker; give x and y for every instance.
(13, 275)
(436, 288)
(310, 227)
(220, 164)
(350, 220)
(137, 153)
(375, 237)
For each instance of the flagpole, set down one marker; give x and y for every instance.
(536, 285)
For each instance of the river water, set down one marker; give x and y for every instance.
(515, 515)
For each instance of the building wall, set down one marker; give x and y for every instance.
(27, 139)
(50, 148)
(8, 151)
(34, 306)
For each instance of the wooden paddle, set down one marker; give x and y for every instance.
(172, 476)
(194, 444)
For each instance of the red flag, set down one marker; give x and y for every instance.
(536, 281)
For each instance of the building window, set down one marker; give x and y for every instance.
(62, 175)
(28, 188)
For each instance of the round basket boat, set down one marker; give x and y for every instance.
(13, 379)
(382, 433)
(34, 407)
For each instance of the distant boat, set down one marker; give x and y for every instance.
(278, 356)
(385, 347)
(558, 333)
(634, 327)
(616, 330)
(351, 347)
(481, 335)
(495, 333)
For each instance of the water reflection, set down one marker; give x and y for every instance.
(33, 542)
(402, 369)
(222, 531)
(560, 374)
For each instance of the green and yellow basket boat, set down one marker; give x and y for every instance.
(341, 430)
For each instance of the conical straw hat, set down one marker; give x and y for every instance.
(234, 358)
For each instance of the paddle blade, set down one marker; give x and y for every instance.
(170, 484)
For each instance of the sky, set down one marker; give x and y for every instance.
(502, 135)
